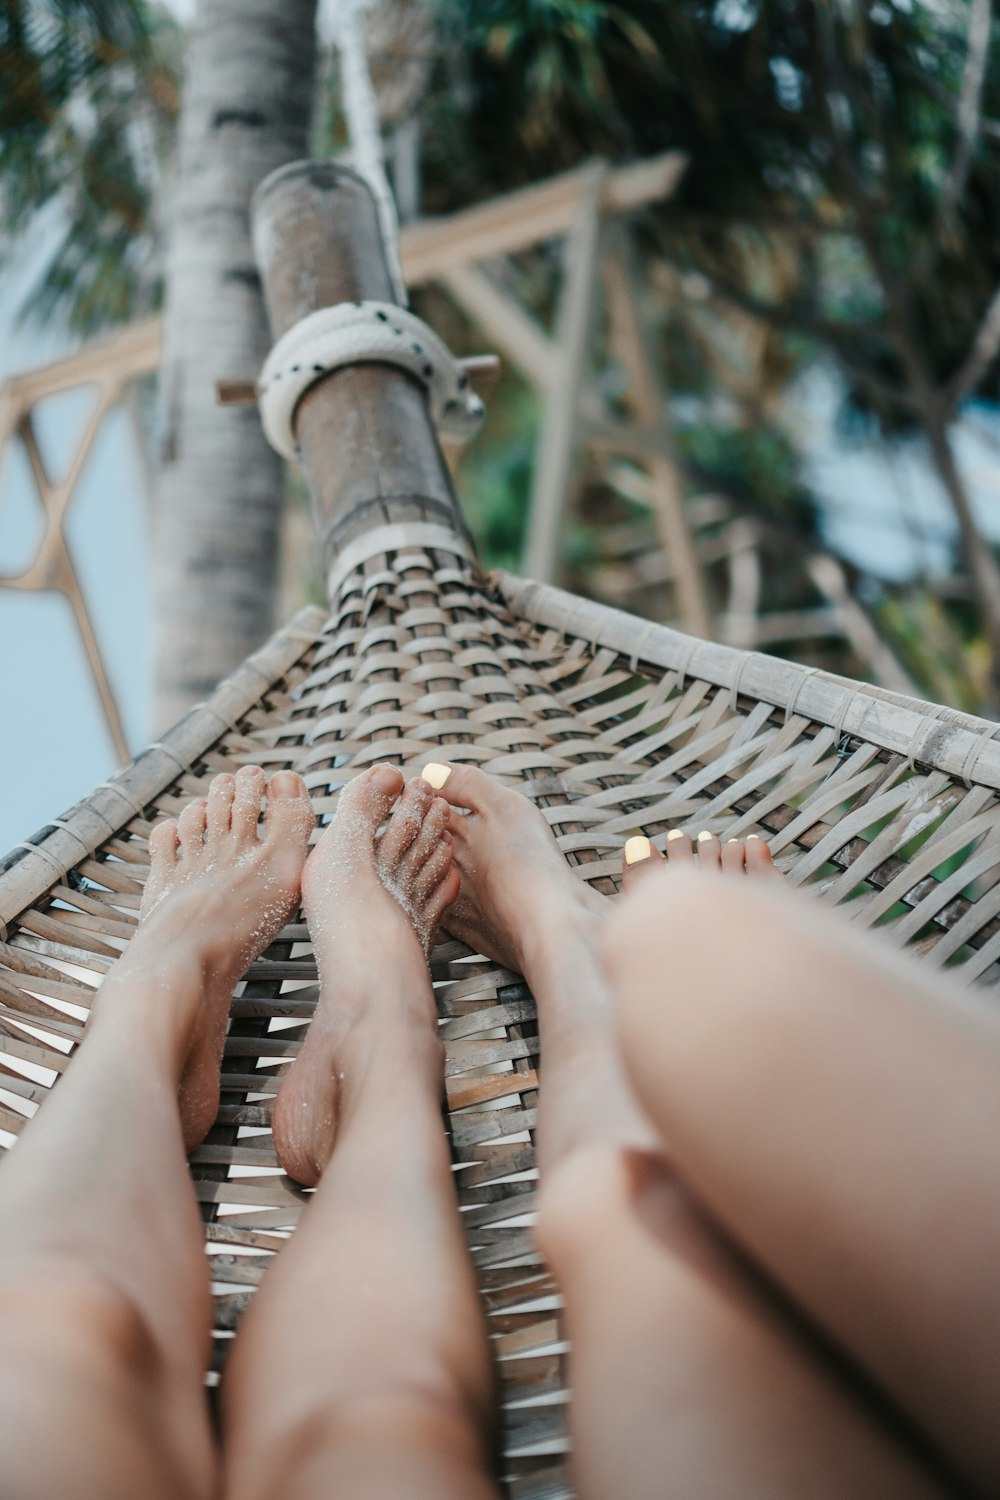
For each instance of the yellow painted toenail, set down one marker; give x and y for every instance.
(704, 834)
(637, 849)
(436, 774)
(675, 833)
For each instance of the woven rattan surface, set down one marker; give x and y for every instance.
(611, 726)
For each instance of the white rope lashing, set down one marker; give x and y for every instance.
(352, 333)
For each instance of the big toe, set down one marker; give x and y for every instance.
(288, 817)
(367, 801)
(640, 857)
(462, 786)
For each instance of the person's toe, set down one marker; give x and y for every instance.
(445, 893)
(732, 857)
(461, 786)
(640, 855)
(191, 828)
(759, 858)
(679, 849)
(220, 808)
(248, 791)
(709, 851)
(367, 800)
(163, 848)
(433, 870)
(288, 814)
(427, 841)
(405, 824)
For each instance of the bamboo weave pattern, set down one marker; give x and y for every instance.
(419, 661)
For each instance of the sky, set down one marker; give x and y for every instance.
(54, 744)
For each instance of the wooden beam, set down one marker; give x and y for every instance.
(738, 625)
(647, 400)
(643, 444)
(558, 442)
(134, 351)
(429, 247)
(432, 246)
(521, 341)
(52, 567)
(829, 577)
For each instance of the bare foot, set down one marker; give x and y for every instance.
(216, 896)
(516, 885)
(521, 905)
(373, 906)
(749, 856)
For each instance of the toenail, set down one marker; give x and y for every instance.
(734, 841)
(284, 784)
(436, 773)
(675, 833)
(637, 849)
(754, 836)
(386, 778)
(704, 835)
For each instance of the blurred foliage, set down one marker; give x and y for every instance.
(495, 487)
(840, 205)
(830, 185)
(842, 194)
(88, 97)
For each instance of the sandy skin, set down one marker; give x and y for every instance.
(373, 903)
(217, 895)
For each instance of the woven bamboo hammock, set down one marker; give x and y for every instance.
(609, 723)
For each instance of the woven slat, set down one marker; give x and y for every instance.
(601, 720)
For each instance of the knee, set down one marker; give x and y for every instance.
(79, 1311)
(588, 1202)
(341, 1446)
(689, 952)
(679, 916)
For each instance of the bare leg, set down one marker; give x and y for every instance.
(105, 1315)
(838, 1111)
(684, 1364)
(362, 1369)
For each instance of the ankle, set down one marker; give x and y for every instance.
(388, 1053)
(560, 951)
(151, 1009)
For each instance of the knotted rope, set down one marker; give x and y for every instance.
(349, 334)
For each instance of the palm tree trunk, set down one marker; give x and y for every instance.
(246, 110)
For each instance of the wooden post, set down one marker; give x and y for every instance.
(647, 399)
(558, 441)
(368, 445)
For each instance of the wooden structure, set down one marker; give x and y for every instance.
(587, 209)
(444, 249)
(134, 352)
(608, 722)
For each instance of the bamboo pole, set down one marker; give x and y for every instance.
(368, 446)
(961, 745)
